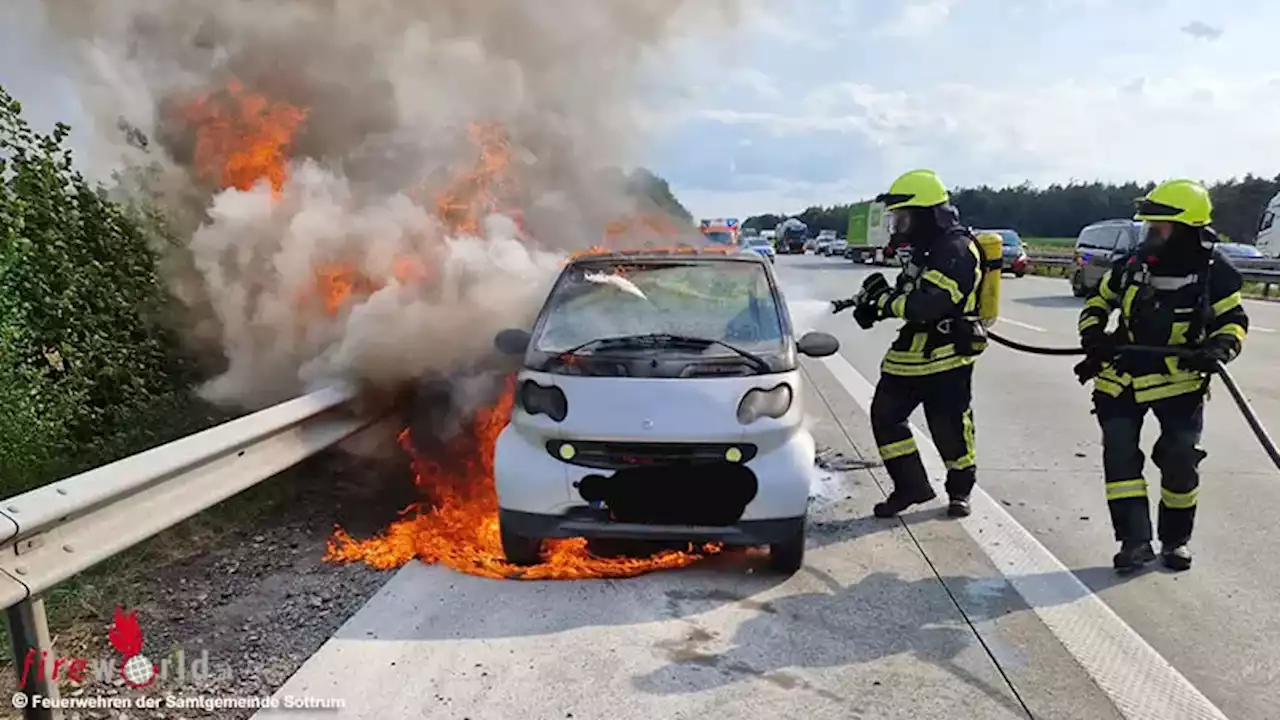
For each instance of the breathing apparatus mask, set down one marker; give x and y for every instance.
(916, 223)
(1178, 234)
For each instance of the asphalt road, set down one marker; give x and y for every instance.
(1039, 455)
(1011, 612)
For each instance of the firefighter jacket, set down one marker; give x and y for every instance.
(1176, 298)
(937, 295)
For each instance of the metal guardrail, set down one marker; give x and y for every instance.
(1266, 272)
(59, 530)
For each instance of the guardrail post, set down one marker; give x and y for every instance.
(29, 630)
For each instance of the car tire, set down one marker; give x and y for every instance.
(787, 556)
(1020, 273)
(520, 550)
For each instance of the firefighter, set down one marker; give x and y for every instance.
(931, 361)
(1174, 290)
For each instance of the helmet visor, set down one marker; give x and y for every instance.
(1151, 234)
(900, 221)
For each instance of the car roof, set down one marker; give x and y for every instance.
(1116, 221)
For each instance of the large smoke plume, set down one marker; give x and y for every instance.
(381, 102)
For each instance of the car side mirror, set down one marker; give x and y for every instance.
(512, 341)
(818, 344)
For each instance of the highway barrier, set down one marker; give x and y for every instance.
(1265, 272)
(59, 530)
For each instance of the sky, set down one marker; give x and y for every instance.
(826, 101)
(819, 102)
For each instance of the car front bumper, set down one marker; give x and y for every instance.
(589, 523)
(531, 481)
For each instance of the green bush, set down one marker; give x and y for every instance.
(87, 368)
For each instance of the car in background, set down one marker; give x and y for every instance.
(822, 246)
(1241, 251)
(760, 246)
(837, 247)
(1097, 248)
(659, 398)
(1015, 258)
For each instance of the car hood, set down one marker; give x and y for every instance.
(658, 409)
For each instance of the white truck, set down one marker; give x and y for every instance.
(1268, 241)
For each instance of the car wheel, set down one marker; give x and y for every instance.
(520, 550)
(1020, 273)
(787, 556)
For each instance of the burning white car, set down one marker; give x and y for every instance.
(659, 398)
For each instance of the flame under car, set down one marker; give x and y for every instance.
(659, 398)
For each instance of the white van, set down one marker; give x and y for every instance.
(1268, 241)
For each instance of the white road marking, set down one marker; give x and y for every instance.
(1141, 683)
(1022, 324)
(1261, 329)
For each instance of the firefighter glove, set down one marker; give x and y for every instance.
(1206, 360)
(866, 315)
(1099, 345)
(875, 285)
(1088, 368)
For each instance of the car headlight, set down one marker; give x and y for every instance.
(548, 400)
(759, 403)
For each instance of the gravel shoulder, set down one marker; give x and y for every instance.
(238, 597)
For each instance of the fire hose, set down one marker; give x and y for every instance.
(1219, 369)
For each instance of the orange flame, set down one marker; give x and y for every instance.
(242, 137)
(486, 188)
(460, 529)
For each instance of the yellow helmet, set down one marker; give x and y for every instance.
(918, 188)
(1180, 201)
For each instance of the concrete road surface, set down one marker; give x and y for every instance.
(1013, 612)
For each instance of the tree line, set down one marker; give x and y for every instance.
(1062, 210)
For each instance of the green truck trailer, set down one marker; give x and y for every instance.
(868, 234)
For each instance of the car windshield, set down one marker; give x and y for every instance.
(719, 237)
(723, 301)
(1009, 238)
(758, 242)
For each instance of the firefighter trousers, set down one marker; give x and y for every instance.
(1176, 453)
(947, 398)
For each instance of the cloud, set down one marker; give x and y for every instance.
(985, 91)
(919, 18)
(845, 141)
(1201, 30)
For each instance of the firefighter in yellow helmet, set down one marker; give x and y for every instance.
(1174, 290)
(931, 361)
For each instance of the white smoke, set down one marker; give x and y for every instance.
(390, 89)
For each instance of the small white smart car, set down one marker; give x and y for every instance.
(659, 399)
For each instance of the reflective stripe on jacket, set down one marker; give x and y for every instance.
(1165, 306)
(932, 292)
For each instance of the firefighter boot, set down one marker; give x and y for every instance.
(959, 507)
(899, 501)
(1176, 557)
(1132, 556)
